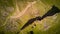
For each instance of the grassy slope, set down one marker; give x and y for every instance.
(41, 7)
(54, 29)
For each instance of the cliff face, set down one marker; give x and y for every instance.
(15, 13)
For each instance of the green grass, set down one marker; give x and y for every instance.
(43, 6)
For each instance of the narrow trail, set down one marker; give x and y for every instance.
(18, 14)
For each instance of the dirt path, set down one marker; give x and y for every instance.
(18, 14)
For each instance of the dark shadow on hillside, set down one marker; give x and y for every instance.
(51, 12)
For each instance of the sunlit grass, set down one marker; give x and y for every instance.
(42, 6)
